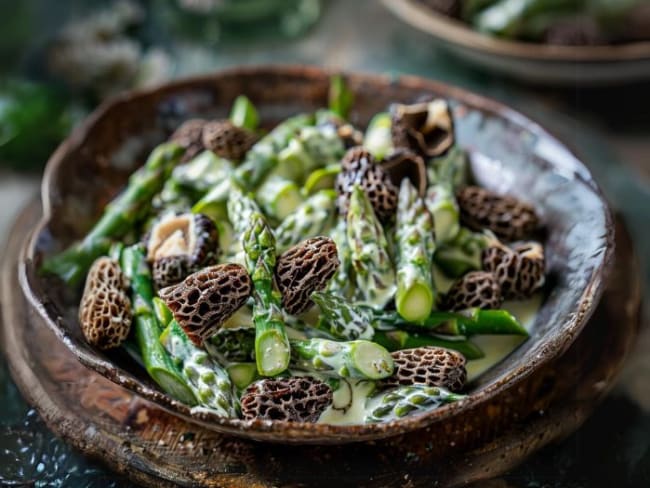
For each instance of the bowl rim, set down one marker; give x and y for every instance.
(311, 432)
(457, 32)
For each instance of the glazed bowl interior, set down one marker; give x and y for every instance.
(510, 154)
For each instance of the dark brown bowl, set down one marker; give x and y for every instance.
(509, 154)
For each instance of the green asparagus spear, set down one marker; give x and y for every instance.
(321, 179)
(415, 294)
(310, 219)
(394, 340)
(240, 208)
(340, 97)
(279, 197)
(341, 319)
(451, 169)
(271, 341)
(209, 382)
(378, 139)
(374, 274)
(147, 329)
(441, 202)
(243, 113)
(120, 216)
(214, 203)
(479, 322)
(261, 159)
(462, 254)
(242, 374)
(353, 359)
(162, 312)
(407, 400)
(341, 281)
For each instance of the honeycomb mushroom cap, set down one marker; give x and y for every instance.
(189, 136)
(431, 366)
(425, 128)
(404, 163)
(359, 168)
(204, 300)
(105, 309)
(476, 289)
(509, 218)
(179, 245)
(304, 269)
(519, 270)
(296, 399)
(227, 140)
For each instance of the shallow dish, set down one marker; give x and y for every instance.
(532, 62)
(509, 154)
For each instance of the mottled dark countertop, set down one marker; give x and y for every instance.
(608, 127)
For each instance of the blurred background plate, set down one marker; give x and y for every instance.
(527, 61)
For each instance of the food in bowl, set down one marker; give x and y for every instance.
(313, 273)
(559, 22)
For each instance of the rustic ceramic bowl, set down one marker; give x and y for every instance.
(509, 154)
(526, 61)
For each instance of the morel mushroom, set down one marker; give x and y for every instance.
(519, 270)
(105, 309)
(478, 289)
(304, 269)
(425, 128)
(203, 301)
(430, 366)
(359, 168)
(179, 245)
(403, 163)
(227, 140)
(297, 399)
(509, 218)
(189, 136)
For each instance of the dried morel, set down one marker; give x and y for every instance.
(304, 269)
(105, 309)
(189, 135)
(179, 245)
(509, 218)
(519, 270)
(425, 128)
(297, 399)
(359, 168)
(227, 140)
(478, 289)
(203, 301)
(403, 163)
(431, 366)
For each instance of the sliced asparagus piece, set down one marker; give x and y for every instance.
(374, 274)
(341, 319)
(271, 342)
(407, 400)
(321, 179)
(461, 255)
(415, 294)
(378, 139)
(310, 219)
(207, 379)
(244, 114)
(341, 281)
(340, 98)
(480, 322)
(214, 203)
(451, 169)
(119, 217)
(279, 197)
(261, 159)
(147, 329)
(442, 205)
(394, 340)
(353, 359)
(242, 374)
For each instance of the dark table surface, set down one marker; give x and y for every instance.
(608, 127)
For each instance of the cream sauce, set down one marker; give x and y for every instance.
(349, 403)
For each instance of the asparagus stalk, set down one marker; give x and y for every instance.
(310, 219)
(341, 319)
(208, 381)
(261, 159)
(243, 113)
(354, 359)
(271, 341)
(321, 179)
(340, 97)
(394, 340)
(374, 274)
(232, 344)
(147, 329)
(279, 197)
(407, 400)
(340, 282)
(441, 203)
(450, 169)
(461, 255)
(479, 322)
(242, 374)
(415, 294)
(240, 209)
(378, 139)
(214, 203)
(120, 216)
